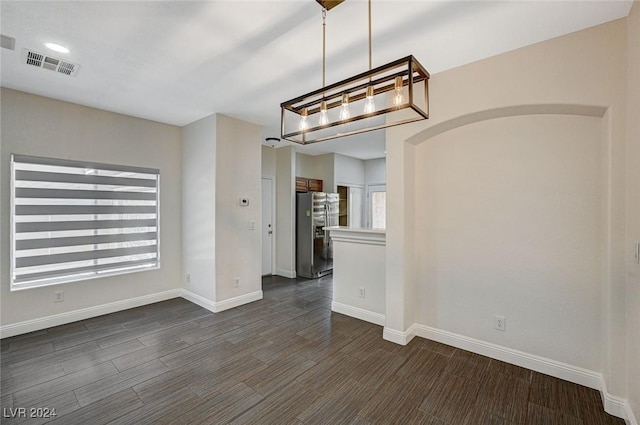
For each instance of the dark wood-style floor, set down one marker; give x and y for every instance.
(283, 360)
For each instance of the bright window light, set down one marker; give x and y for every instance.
(77, 220)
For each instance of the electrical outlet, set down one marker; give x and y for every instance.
(362, 292)
(188, 277)
(236, 282)
(58, 296)
(500, 323)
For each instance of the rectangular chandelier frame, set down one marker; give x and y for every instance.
(405, 78)
(329, 4)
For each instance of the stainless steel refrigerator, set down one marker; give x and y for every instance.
(314, 251)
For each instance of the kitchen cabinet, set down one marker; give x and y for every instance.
(304, 184)
(315, 185)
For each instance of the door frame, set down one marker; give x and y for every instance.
(363, 207)
(273, 222)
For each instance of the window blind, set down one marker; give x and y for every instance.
(74, 220)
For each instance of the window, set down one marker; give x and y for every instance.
(377, 206)
(75, 220)
(378, 210)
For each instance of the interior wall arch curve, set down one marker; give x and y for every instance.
(506, 111)
(508, 219)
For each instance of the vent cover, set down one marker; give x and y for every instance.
(7, 42)
(40, 60)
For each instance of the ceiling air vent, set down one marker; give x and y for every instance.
(49, 62)
(7, 42)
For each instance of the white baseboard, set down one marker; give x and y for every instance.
(87, 313)
(358, 313)
(630, 417)
(237, 301)
(617, 406)
(612, 404)
(84, 313)
(216, 307)
(198, 299)
(291, 274)
(399, 337)
(560, 370)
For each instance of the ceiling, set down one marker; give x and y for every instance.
(179, 61)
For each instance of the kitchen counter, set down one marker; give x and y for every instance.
(359, 257)
(358, 234)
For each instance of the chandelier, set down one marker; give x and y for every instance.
(389, 95)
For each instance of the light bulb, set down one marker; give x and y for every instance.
(57, 47)
(344, 108)
(304, 124)
(324, 117)
(398, 99)
(369, 105)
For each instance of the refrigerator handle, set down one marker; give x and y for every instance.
(326, 224)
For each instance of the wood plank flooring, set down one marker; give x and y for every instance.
(286, 359)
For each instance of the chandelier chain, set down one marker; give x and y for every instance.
(345, 108)
(370, 35)
(324, 45)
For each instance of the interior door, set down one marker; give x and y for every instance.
(267, 226)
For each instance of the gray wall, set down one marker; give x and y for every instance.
(34, 125)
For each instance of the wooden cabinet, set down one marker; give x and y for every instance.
(315, 185)
(304, 184)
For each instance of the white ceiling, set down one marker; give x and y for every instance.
(178, 61)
